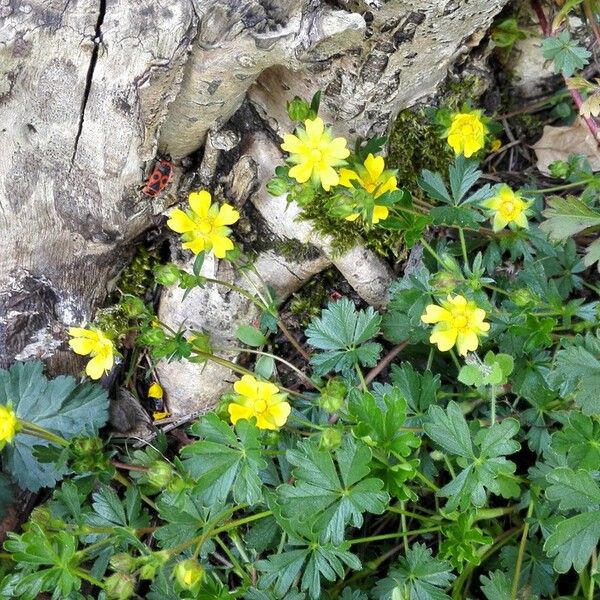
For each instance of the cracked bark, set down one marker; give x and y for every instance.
(89, 93)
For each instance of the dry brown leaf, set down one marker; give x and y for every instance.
(557, 143)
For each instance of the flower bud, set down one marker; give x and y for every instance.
(522, 297)
(167, 274)
(152, 563)
(188, 573)
(159, 474)
(333, 395)
(123, 562)
(298, 109)
(119, 586)
(331, 438)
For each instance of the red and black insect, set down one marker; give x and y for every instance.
(159, 179)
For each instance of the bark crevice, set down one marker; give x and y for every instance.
(90, 76)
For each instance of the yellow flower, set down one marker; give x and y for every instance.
(8, 425)
(155, 391)
(508, 208)
(259, 399)
(372, 177)
(314, 153)
(459, 322)
(204, 227)
(188, 573)
(97, 345)
(467, 133)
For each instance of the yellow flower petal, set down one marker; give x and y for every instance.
(329, 178)
(337, 148)
(96, 367)
(227, 216)
(81, 332)
(82, 346)
(196, 245)
(293, 144)
(314, 130)
(280, 413)
(347, 176)
(380, 213)
(390, 185)
(466, 342)
(221, 245)
(237, 412)
(434, 314)
(180, 222)
(246, 386)
(155, 391)
(374, 166)
(444, 339)
(302, 172)
(200, 203)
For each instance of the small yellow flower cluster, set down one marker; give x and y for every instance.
(315, 152)
(458, 322)
(373, 178)
(508, 208)
(94, 343)
(9, 425)
(261, 400)
(204, 227)
(467, 133)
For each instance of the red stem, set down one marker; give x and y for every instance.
(575, 95)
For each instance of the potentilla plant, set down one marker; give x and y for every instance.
(445, 448)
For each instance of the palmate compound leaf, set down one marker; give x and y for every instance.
(485, 468)
(60, 405)
(312, 563)
(575, 538)
(226, 461)
(567, 55)
(418, 576)
(344, 334)
(330, 494)
(566, 217)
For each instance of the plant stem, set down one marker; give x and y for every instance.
(431, 251)
(593, 563)
(403, 527)
(591, 17)
(293, 341)
(32, 429)
(493, 406)
(519, 564)
(391, 536)
(363, 383)
(243, 521)
(463, 245)
(558, 188)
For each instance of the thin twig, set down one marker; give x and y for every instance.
(293, 341)
(385, 361)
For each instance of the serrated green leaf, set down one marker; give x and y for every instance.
(568, 57)
(59, 405)
(328, 495)
(496, 586)
(344, 333)
(579, 441)
(573, 490)
(223, 462)
(418, 576)
(568, 216)
(419, 389)
(433, 185)
(463, 174)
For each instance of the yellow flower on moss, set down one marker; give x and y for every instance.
(8, 425)
(188, 573)
(259, 399)
(467, 133)
(315, 153)
(375, 179)
(204, 227)
(94, 343)
(458, 322)
(508, 208)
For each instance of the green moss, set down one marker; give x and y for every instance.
(137, 277)
(307, 303)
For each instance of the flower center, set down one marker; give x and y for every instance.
(260, 406)
(508, 208)
(204, 227)
(316, 155)
(460, 321)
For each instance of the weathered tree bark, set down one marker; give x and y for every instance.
(91, 91)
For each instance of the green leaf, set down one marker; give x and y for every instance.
(330, 494)
(265, 367)
(573, 490)
(312, 563)
(110, 511)
(496, 586)
(456, 216)
(462, 540)
(579, 441)
(482, 459)
(380, 425)
(251, 336)
(418, 576)
(577, 372)
(198, 262)
(59, 405)
(223, 462)
(419, 389)
(494, 370)
(45, 563)
(573, 541)
(344, 334)
(463, 173)
(568, 57)
(537, 573)
(568, 216)
(433, 185)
